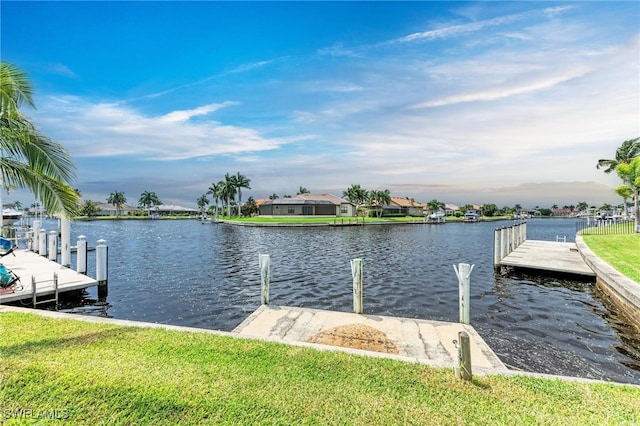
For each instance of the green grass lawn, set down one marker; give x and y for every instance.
(621, 251)
(96, 374)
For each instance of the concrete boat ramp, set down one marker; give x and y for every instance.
(428, 342)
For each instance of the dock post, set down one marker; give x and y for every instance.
(55, 289)
(464, 273)
(42, 244)
(53, 245)
(35, 236)
(356, 272)
(65, 242)
(496, 248)
(463, 370)
(265, 272)
(34, 294)
(102, 268)
(81, 255)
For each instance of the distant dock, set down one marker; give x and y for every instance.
(30, 266)
(511, 248)
(548, 256)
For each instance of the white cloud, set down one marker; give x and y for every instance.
(108, 129)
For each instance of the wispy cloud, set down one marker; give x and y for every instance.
(62, 69)
(111, 129)
(473, 27)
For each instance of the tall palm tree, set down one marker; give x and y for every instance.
(214, 190)
(28, 159)
(148, 200)
(356, 194)
(228, 190)
(118, 200)
(273, 196)
(624, 154)
(302, 190)
(630, 174)
(203, 202)
(241, 181)
(380, 199)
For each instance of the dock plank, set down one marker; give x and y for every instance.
(548, 256)
(26, 264)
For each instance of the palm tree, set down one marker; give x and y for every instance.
(630, 174)
(241, 181)
(356, 194)
(629, 150)
(228, 190)
(302, 190)
(148, 200)
(214, 190)
(273, 196)
(28, 159)
(625, 192)
(89, 208)
(379, 199)
(118, 200)
(203, 202)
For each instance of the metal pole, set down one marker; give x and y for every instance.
(356, 272)
(265, 273)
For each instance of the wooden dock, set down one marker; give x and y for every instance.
(549, 256)
(26, 264)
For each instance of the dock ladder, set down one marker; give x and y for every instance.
(34, 292)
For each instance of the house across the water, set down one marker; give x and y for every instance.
(308, 205)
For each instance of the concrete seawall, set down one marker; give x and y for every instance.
(622, 291)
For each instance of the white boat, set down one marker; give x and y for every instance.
(10, 216)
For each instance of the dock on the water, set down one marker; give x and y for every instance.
(26, 264)
(560, 257)
(429, 342)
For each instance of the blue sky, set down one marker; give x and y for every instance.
(464, 102)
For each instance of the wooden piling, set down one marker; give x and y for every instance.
(464, 356)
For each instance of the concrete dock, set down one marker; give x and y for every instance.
(26, 264)
(549, 256)
(429, 342)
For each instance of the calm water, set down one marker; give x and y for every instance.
(204, 275)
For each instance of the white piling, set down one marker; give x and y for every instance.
(42, 243)
(65, 242)
(356, 272)
(102, 268)
(35, 238)
(53, 245)
(81, 255)
(265, 273)
(496, 248)
(464, 273)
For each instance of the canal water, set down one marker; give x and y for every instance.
(187, 273)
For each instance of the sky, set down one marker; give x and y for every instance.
(464, 102)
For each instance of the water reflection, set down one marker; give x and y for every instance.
(187, 273)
